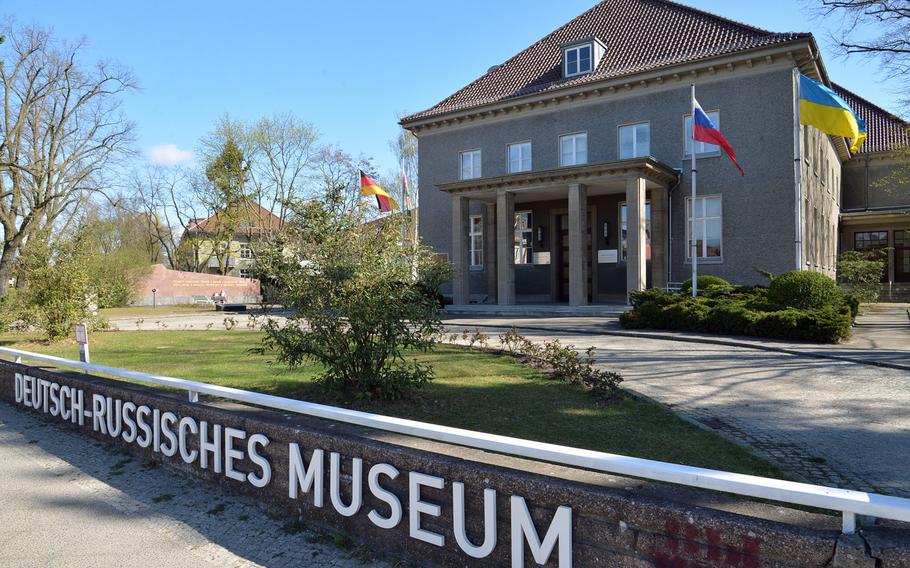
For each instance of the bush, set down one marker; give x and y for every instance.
(853, 301)
(361, 302)
(805, 290)
(564, 363)
(740, 312)
(862, 271)
(704, 282)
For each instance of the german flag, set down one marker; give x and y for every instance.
(383, 199)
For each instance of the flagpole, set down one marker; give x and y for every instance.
(692, 206)
(797, 174)
(402, 205)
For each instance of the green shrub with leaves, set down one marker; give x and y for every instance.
(58, 291)
(804, 290)
(704, 282)
(361, 301)
(862, 272)
(742, 311)
(565, 363)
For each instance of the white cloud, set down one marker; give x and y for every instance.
(168, 155)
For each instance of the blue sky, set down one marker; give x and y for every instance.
(347, 66)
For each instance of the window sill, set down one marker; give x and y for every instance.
(713, 260)
(476, 269)
(700, 156)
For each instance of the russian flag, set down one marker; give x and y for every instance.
(704, 131)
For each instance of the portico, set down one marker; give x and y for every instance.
(576, 235)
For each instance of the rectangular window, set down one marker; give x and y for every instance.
(519, 157)
(476, 235)
(573, 149)
(624, 230)
(700, 147)
(708, 238)
(246, 251)
(470, 164)
(634, 140)
(523, 234)
(578, 60)
(870, 240)
(244, 273)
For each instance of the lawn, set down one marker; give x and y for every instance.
(474, 390)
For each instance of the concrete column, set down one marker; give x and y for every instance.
(659, 237)
(489, 248)
(505, 252)
(636, 262)
(461, 290)
(578, 245)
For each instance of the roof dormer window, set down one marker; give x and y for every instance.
(578, 60)
(581, 57)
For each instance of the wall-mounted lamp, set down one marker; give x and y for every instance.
(540, 235)
(606, 232)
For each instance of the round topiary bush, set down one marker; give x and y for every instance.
(804, 290)
(703, 283)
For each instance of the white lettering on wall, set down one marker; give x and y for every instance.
(223, 448)
(261, 479)
(303, 477)
(489, 522)
(417, 507)
(356, 485)
(523, 530)
(384, 495)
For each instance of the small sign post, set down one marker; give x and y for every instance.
(82, 340)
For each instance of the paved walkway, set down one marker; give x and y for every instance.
(829, 422)
(65, 500)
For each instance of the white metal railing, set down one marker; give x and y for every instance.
(848, 502)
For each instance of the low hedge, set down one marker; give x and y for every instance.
(704, 282)
(738, 311)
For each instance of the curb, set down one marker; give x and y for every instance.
(723, 342)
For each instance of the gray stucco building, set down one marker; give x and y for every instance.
(562, 174)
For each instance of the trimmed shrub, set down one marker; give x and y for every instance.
(805, 290)
(704, 282)
(740, 312)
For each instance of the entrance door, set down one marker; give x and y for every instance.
(563, 276)
(902, 256)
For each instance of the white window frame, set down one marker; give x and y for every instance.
(517, 255)
(476, 156)
(623, 226)
(244, 272)
(574, 136)
(577, 49)
(634, 126)
(523, 146)
(473, 238)
(689, 213)
(245, 252)
(701, 148)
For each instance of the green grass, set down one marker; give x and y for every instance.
(474, 390)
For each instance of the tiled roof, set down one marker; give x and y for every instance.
(252, 219)
(639, 35)
(885, 131)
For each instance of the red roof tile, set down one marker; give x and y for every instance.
(639, 35)
(885, 131)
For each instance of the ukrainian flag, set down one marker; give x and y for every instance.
(822, 108)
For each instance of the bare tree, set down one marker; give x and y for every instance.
(875, 28)
(62, 130)
(172, 211)
(283, 150)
